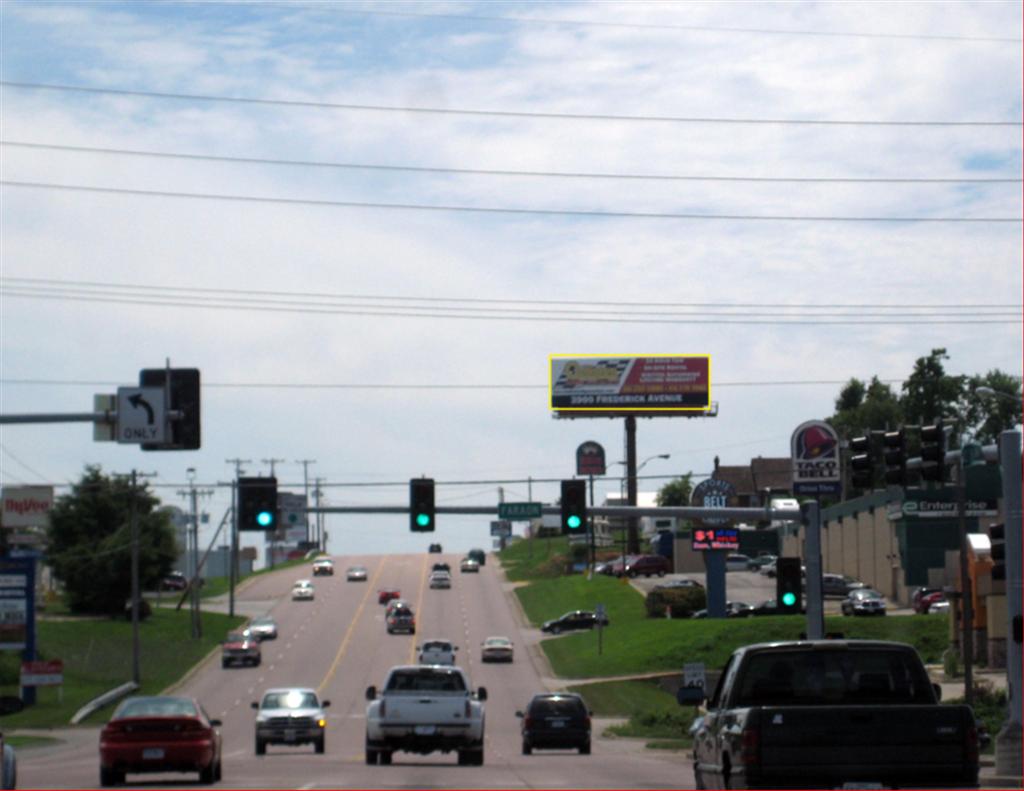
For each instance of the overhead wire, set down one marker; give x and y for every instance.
(178, 155)
(194, 97)
(514, 211)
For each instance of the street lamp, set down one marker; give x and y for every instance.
(985, 390)
(631, 498)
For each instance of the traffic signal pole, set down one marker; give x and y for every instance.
(812, 557)
(1008, 741)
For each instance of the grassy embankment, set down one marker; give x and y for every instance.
(635, 644)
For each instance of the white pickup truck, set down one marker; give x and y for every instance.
(422, 709)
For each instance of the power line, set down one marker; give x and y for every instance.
(513, 173)
(718, 319)
(583, 213)
(163, 288)
(500, 113)
(687, 28)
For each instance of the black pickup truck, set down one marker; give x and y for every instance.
(831, 714)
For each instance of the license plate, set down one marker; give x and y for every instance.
(557, 723)
(152, 754)
(861, 785)
(424, 730)
(289, 735)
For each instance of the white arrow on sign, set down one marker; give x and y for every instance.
(141, 415)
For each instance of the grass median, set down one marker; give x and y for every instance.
(97, 656)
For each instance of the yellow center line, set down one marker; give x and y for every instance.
(351, 628)
(419, 609)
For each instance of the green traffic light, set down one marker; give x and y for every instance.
(573, 522)
(423, 520)
(264, 519)
(789, 599)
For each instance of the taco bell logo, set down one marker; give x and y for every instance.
(815, 456)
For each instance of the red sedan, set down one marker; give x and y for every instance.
(160, 734)
(384, 595)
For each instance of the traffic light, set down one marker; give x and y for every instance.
(895, 456)
(997, 536)
(421, 505)
(789, 586)
(574, 506)
(933, 453)
(862, 466)
(184, 392)
(257, 503)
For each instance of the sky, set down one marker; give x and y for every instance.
(370, 224)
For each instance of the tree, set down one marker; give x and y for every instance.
(676, 492)
(90, 542)
(860, 408)
(986, 417)
(929, 394)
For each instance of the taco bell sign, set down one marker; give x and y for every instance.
(815, 454)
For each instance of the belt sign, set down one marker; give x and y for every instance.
(141, 415)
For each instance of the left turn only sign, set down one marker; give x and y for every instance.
(141, 415)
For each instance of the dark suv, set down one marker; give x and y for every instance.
(576, 619)
(647, 565)
(558, 720)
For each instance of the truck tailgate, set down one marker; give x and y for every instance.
(433, 709)
(891, 745)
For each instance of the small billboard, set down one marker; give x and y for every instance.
(704, 538)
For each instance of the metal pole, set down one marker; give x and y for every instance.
(966, 609)
(634, 537)
(305, 488)
(233, 559)
(1008, 741)
(590, 535)
(197, 630)
(135, 580)
(815, 601)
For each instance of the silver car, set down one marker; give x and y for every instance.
(864, 601)
(290, 715)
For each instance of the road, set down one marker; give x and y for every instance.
(338, 644)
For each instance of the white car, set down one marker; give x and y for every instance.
(737, 562)
(290, 716)
(356, 574)
(323, 567)
(302, 590)
(496, 649)
(437, 652)
(440, 579)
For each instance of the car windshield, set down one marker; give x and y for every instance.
(156, 707)
(262, 621)
(830, 677)
(437, 645)
(290, 699)
(235, 637)
(497, 641)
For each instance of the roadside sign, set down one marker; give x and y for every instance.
(815, 453)
(520, 512)
(141, 415)
(590, 459)
(501, 529)
(693, 674)
(42, 673)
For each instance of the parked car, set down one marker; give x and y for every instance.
(145, 735)
(262, 628)
(928, 602)
(733, 609)
(864, 601)
(942, 605)
(240, 648)
(434, 548)
(400, 618)
(674, 584)
(556, 720)
(768, 569)
(437, 652)
(613, 567)
(440, 579)
(771, 607)
(496, 649)
(647, 565)
(9, 768)
(469, 566)
(356, 574)
(762, 560)
(916, 599)
(478, 555)
(839, 584)
(174, 581)
(734, 561)
(302, 590)
(385, 595)
(576, 619)
(290, 715)
(323, 567)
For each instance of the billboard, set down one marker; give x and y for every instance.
(624, 385)
(27, 506)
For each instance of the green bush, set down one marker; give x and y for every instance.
(683, 601)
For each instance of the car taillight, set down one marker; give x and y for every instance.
(112, 732)
(527, 722)
(972, 744)
(750, 749)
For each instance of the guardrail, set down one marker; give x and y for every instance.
(107, 697)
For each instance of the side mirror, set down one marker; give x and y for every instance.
(520, 714)
(254, 705)
(371, 693)
(216, 723)
(938, 691)
(325, 704)
(482, 693)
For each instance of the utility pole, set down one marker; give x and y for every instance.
(320, 543)
(305, 478)
(233, 571)
(193, 495)
(136, 593)
(272, 462)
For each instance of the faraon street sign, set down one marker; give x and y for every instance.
(521, 512)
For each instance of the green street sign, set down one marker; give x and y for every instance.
(520, 511)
